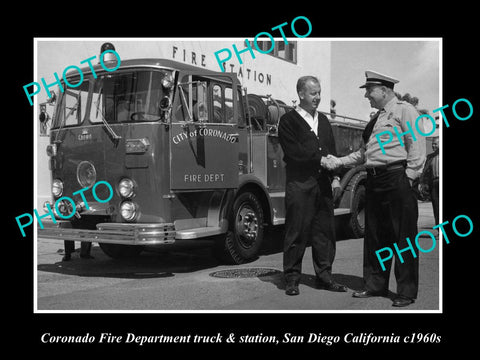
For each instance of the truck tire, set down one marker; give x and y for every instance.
(244, 238)
(357, 219)
(118, 251)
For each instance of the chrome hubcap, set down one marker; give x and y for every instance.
(247, 225)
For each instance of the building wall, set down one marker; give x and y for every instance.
(262, 75)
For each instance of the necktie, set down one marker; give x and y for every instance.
(369, 128)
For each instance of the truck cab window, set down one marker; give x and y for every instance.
(73, 105)
(217, 104)
(223, 104)
(207, 100)
(200, 104)
(229, 106)
(193, 100)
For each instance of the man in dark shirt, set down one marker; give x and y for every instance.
(306, 138)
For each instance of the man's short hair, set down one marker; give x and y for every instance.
(303, 80)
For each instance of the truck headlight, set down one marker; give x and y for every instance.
(126, 187)
(57, 187)
(128, 210)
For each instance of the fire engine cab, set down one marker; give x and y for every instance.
(190, 157)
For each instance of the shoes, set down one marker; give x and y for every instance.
(292, 288)
(401, 301)
(367, 293)
(331, 286)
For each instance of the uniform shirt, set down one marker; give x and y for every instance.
(395, 114)
(312, 121)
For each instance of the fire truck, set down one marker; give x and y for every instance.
(190, 156)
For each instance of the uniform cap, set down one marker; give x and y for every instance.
(375, 78)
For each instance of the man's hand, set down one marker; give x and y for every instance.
(330, 162)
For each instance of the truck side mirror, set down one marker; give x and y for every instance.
(43, 117)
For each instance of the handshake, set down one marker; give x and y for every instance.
(330, 162)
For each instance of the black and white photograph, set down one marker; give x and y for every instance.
(270, 186)
(168, 175)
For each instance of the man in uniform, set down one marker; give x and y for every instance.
(306, 138)
(391, 210)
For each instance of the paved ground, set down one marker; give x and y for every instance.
(182, 280)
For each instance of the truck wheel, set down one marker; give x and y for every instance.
(357, 219)
(117, 251)
(243, 240)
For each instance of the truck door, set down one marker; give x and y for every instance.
(204, 141)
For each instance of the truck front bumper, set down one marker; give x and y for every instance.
(113, 233)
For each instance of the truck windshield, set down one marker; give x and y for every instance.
(125, 97)
(130, 96)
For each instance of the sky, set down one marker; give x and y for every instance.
(415, 63)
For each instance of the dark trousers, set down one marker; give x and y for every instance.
(85, 247)
(309, 217)
(391, 214)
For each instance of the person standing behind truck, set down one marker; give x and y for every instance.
(306, 138)
(429, 181)
(85, 248)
